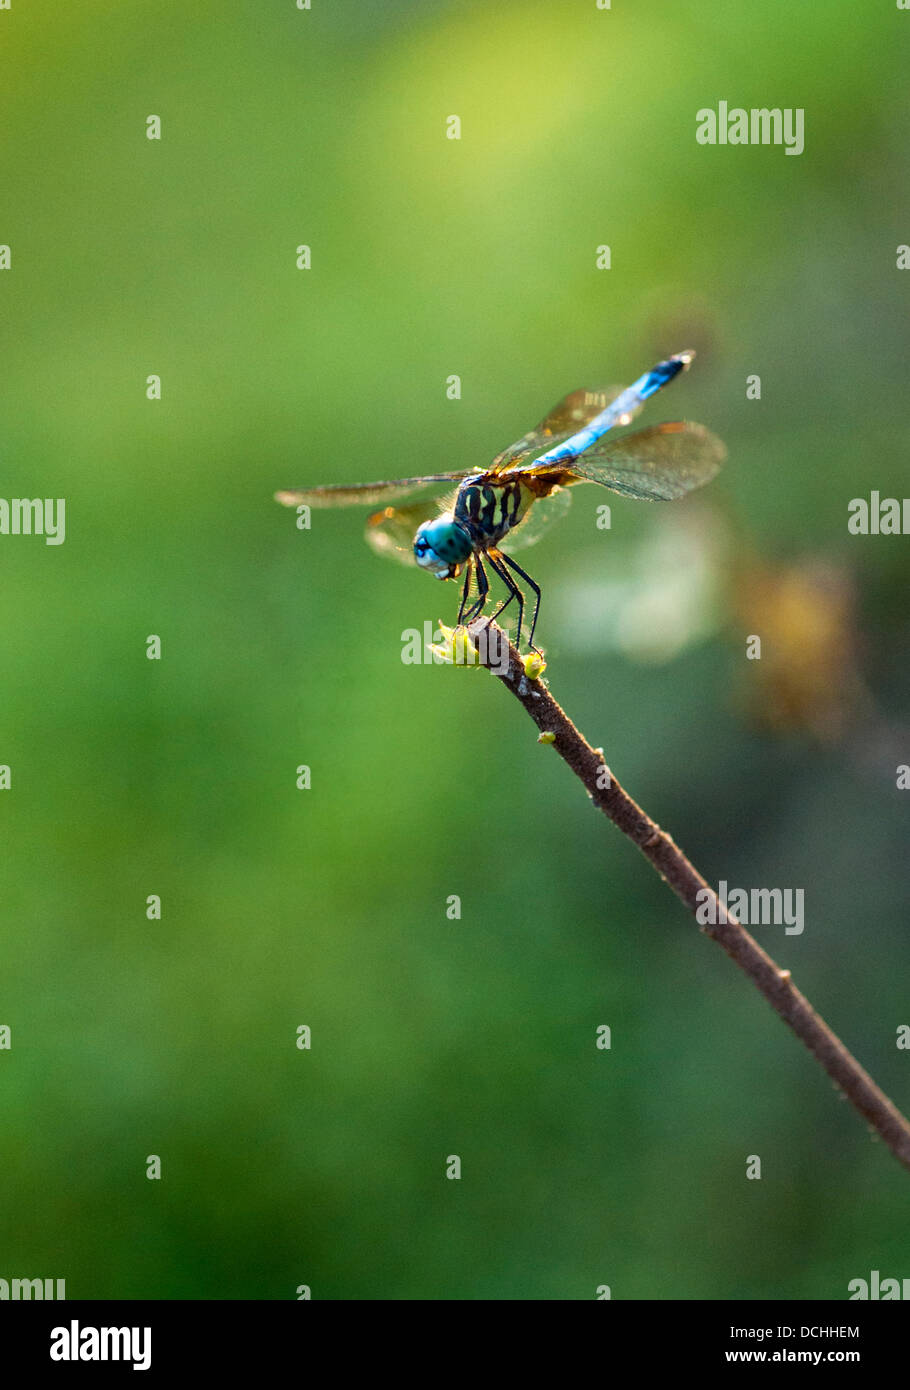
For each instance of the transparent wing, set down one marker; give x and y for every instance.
(657, 464)
(538, 519)
(365, 494)
(391, 532)
(574, 411)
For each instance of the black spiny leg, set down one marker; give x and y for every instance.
(483, 588)
(530, 582)
(494, 558)
(465, 591)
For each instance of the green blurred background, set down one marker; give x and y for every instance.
(281, 647)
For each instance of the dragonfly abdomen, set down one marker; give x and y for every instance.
(489, 510)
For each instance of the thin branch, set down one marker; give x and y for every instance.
(674, 868)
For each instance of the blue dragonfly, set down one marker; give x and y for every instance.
(524, 490)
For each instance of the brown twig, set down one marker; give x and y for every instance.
(674, 868)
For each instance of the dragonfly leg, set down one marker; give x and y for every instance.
(483, 588)
(531, 585)
(465, 591)
(514, 591)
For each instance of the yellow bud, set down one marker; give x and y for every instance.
(456, 648)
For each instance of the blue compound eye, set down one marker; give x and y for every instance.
(442, 546)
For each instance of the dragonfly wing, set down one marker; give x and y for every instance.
(572, 413)
(538, 519)
(365, 494)
(657, 464)
(390, 532)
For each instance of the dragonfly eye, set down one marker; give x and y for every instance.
(442, 546)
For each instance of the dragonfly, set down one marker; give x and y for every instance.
(508, 506)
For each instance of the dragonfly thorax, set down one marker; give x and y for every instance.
(488, 510)
(442, 546)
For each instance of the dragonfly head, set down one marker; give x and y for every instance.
(442, 546)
